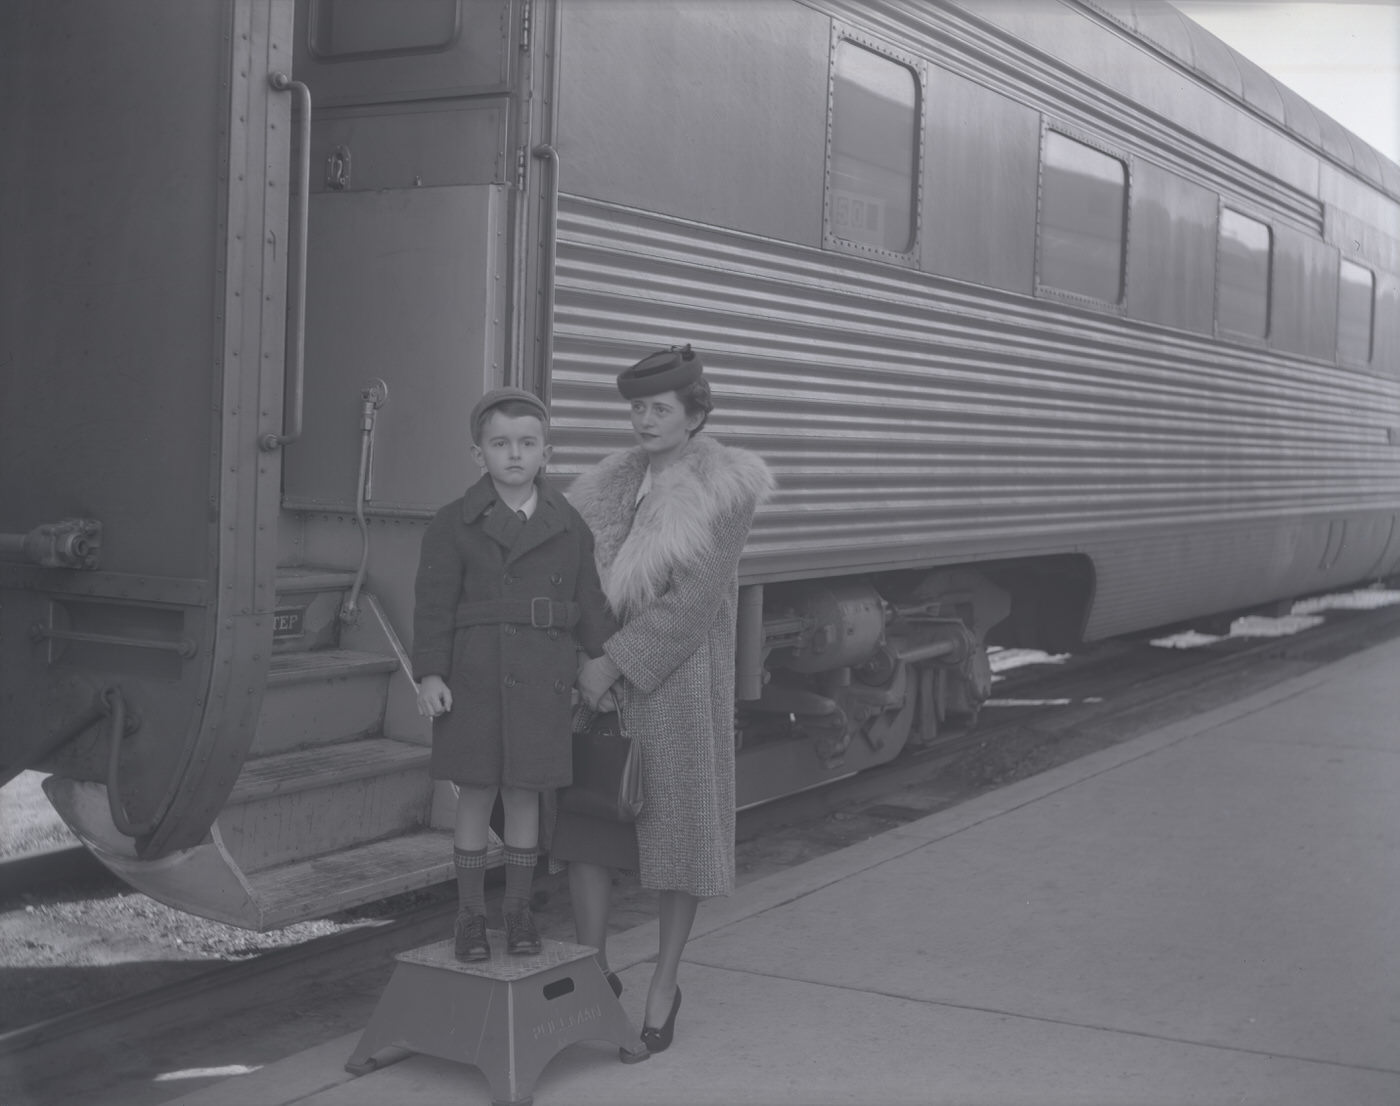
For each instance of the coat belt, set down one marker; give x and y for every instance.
(540, 612)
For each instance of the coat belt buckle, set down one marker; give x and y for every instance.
(548, 612)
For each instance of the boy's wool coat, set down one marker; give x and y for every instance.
(511, 684)
(669, 567)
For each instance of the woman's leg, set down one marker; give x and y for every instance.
(675, 911)
(590, 891)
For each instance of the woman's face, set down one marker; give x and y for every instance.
(661, 424)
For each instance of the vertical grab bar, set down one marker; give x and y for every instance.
(282, 83)
(546, 152)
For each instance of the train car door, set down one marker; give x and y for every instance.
(412, 229)
(143, 214)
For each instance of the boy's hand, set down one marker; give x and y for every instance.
(595, 677)
(434, 697)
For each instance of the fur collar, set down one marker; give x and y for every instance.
(674, 523)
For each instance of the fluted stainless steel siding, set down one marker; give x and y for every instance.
(913, 421)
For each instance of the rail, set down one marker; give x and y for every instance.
(282, 83)
(372, 397)
(545, 152)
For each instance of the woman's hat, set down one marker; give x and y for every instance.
(667, 370)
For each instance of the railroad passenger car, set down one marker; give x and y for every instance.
(1055, 320)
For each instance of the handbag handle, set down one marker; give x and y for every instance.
(584, 714)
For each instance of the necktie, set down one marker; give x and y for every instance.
(523, 516)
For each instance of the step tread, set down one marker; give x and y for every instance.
(320, 886)
(324, 766)
(295, 578)
(290, 668)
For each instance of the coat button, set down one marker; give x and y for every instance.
(507, 579)
(510, 629)
(511, 681)
(560, 686)
(556, 578)
(553, 633)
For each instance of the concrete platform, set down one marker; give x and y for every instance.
(1206, 914)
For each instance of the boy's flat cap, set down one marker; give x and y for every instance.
(666, 370)
(496, 396)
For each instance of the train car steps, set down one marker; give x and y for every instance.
(297, 710)
(322, 885)
(334, 806)
(314, 801)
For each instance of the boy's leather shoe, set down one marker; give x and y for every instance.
(522, 939)
(469, 938)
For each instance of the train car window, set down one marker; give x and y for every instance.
(338, 29)
(1083, 209)
(1172, 249)
(1242, 282)
(875, 123)
(1355, 307)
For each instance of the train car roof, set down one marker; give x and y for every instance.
(1181, 38)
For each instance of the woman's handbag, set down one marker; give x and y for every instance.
(607, 769)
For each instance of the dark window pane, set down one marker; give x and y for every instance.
(342, 28)
(874, 142)
(1354, 305)
(1242, 306)
(1083, 200)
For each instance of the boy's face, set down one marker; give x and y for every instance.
(513, 448)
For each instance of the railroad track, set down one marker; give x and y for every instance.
(1107, 694)
(414, 925)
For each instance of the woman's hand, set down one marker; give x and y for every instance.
(434, 697)
(595, 677)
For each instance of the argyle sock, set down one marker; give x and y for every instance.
(520, 876)
(471, 880)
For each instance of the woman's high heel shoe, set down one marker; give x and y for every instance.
(659, 1040)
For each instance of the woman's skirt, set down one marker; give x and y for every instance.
(594, 841)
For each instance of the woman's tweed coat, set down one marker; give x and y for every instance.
(670, 572)
(512, 685)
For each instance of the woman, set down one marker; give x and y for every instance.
(669, 517)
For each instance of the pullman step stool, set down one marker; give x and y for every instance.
(508, 1016)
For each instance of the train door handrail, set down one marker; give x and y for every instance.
(282, 83)
(545, 152)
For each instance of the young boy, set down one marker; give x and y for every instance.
(506, 593)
